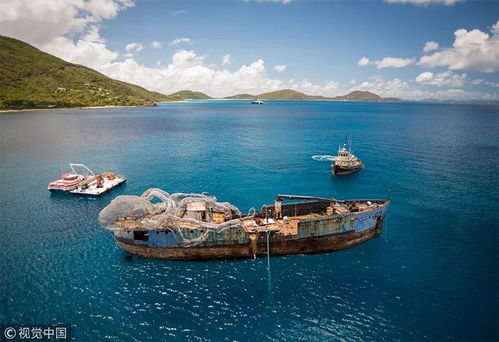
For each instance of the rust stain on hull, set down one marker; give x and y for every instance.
(197, 227)
(278, 246)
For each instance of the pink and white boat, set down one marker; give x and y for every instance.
(85, 181)
(70, 180)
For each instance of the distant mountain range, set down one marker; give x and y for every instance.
(30, 78)
(358, 95)
(288, 94)
(283, 94)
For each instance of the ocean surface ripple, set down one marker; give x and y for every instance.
(432, 275)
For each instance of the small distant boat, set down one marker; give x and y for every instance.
(85, 181)
(346, 162)
(257, 102)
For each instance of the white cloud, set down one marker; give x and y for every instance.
(388, 88)
(446, 78)
(134, 47)
(179, 12)
(281, 1)
(424, 77)
(363, 61)
(353, 81)
(40, 22)
(394, 62)
(472, 50)
(425, 2)
(187, 70)
(387, 62)
(226, 59)
(430, 46)
(156, 45)
(180, 40)
(68, 29)
(280, 68)
(477, 81)
(90, 50)
(329, 88)
(106, 8)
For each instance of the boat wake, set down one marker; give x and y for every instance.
(324, 157)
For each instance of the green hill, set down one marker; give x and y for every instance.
(189, 95)
(359, 95)
(241, 97)
(285, 94)
(30, 78)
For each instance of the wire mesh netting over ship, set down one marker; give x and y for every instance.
(173, 212)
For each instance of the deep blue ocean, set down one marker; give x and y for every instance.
(431, 275)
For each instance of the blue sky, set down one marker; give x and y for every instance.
(317, 44)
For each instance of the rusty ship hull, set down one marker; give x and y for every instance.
(278, 247)
(317, 226)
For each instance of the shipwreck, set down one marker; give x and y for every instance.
(197, 227)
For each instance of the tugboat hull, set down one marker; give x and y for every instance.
(339, 171)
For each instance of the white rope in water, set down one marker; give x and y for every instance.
(268, 250)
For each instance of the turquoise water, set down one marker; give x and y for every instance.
(432, 275)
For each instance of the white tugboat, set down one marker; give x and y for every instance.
(346, 162)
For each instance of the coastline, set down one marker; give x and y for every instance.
(60, 108)
(6, 111)
(80, 108)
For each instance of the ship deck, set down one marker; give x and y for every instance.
(286, 226)
(107, 185)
